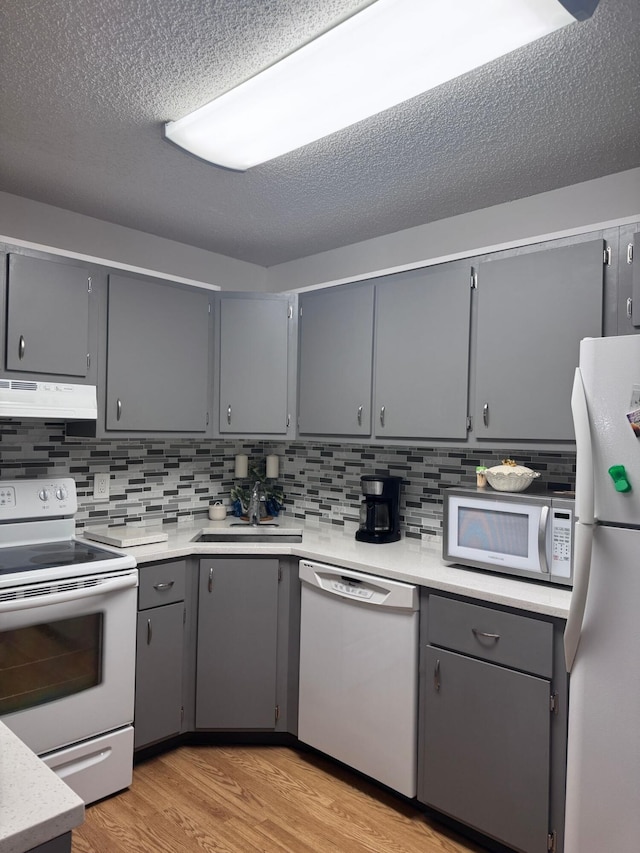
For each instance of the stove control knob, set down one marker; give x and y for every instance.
(61, 493)
(43, 494)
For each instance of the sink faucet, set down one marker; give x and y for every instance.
(254, 504)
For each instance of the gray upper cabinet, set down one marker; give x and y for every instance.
(158, 354)
(630, 273)
(533, 310)
(47, 317)
(254, 334)
(422, 353)
(335, 361)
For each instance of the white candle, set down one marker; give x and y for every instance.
(242, 466)
(273, 466)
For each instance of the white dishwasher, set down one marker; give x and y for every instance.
(359, 671)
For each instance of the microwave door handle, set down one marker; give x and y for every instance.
(542, 540)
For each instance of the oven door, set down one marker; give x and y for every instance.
(67, 658)
(504, 535)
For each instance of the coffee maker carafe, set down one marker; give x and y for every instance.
(380, 509)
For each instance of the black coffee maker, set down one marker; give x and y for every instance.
(380, 509)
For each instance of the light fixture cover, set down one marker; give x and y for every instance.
(389, 52)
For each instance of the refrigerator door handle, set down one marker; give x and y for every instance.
(581, 570)
(585, 511)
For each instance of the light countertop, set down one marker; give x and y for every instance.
(35, 805)
(411, 560)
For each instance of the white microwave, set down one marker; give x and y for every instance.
(510, 533)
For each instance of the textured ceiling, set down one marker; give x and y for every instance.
(86, 85)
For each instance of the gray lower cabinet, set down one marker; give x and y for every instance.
(246, 670)
(160, 652)
(335, 361)
(158, 355)
(254, 351)
(47, 306)
(61, 844)
(533, 309)
(491, 714)
(422, 353)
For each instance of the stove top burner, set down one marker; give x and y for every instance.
(26, 558)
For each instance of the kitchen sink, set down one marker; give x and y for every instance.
(244, 532)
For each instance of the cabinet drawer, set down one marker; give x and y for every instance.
(161, 584)
(493, 635)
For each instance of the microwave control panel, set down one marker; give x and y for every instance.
(561, 542)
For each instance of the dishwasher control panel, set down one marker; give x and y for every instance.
(371, 590)
(348, 588)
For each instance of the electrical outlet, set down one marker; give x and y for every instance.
(101, 487)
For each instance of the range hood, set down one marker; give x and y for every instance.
(21, 398)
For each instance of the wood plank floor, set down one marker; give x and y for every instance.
(241, 799)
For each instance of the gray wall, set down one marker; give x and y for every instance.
(582, 207)
(56, 229)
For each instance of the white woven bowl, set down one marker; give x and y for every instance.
(512, 481)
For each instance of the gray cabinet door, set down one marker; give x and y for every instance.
(631, 250)
(533, 311)
(422, 353)
(237, 644)
(485, 748)
(157, 357)
(253, 364)
(47, 317)
(335, 361)
(158, 706)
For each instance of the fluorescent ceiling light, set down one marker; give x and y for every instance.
(389, 52)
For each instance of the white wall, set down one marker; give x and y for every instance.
(54, 229)
(581, 207)
(605, 201)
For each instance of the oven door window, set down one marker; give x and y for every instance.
(41, 663)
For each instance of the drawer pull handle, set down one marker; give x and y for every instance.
(210, 583)
(359, 415)
(149, 632)
(436, 676)
(485, 635)
(21, 348)
(162, 586)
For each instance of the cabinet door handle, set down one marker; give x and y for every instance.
(162, 586)
(149, 632)
(21, 348)
(382, 411)
(210, 583)
(485, 414)
(359, 415)
(436, 676)
(228, 414)
(485, 635)
(118, 409)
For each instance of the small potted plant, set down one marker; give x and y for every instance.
(272, 491)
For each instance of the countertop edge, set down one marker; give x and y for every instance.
(36, 806)
(409, 560)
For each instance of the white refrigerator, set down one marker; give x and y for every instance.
(602, 638)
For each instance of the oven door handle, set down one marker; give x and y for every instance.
(102, 588)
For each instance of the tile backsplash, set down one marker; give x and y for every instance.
(171, 481)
